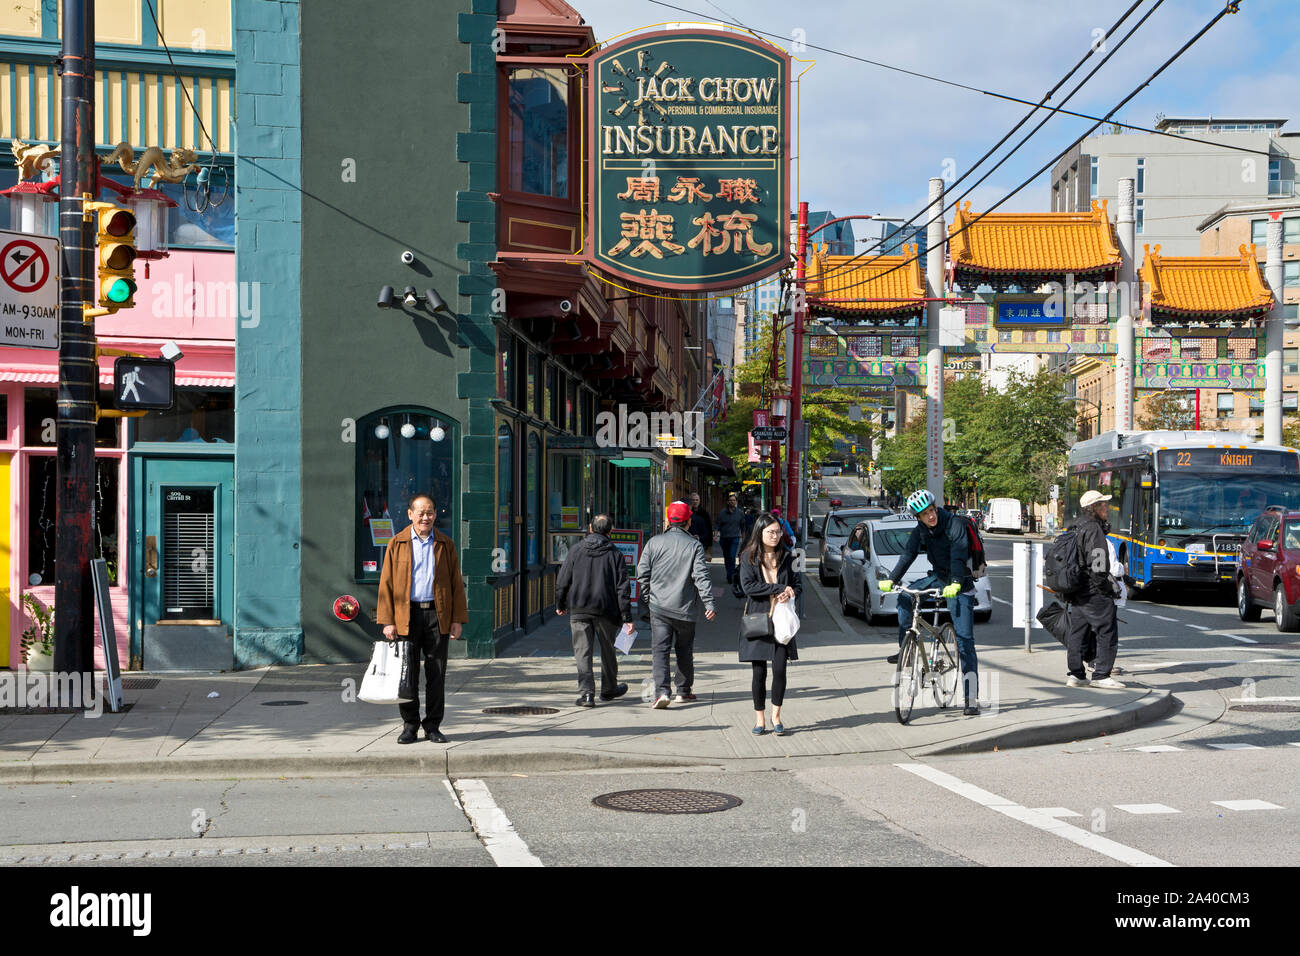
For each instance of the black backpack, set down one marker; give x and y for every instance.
(1063, 569)
(975, 545)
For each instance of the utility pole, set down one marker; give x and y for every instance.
(1129, 302)
(934, 291)
(1273, 332)
(78, 371)
(795, 359)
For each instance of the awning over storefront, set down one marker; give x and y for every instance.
(709, 461)
(867, 286)
(19, 373)
(1205, 286)
(1039, 243)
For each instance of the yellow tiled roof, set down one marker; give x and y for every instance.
(1037, 242)
(1205, 285)
(840, 283)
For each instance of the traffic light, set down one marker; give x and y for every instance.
(115, 257)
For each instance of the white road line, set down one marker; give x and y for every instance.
(1235, 746)
(1293, 743)
(1056, 812)
(1000, 601)
(1238, 637)
(1158, 749)
(1041, 821)
(1133, 610)
(1198, 627)
(493, 826)
(1161, 617)
(1246, 805)
(1142, 808)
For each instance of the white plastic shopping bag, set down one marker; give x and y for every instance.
(384, 677)
(785, 623)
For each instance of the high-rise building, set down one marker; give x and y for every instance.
(1200, 166)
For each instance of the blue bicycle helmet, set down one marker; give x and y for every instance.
(918, 501)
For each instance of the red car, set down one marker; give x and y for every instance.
(1269, 575)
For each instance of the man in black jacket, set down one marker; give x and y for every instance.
(701, 524)
(947, 545)
(1093, 624)
(592, 588)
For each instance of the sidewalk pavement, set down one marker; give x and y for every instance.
(305, 721)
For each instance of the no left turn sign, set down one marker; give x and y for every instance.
(23, 266)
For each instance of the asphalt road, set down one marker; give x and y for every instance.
(1215, 784)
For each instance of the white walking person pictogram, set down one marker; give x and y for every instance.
(129, 382)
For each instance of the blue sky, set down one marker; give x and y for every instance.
(871, 138)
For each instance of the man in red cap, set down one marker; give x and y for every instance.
(674, 579)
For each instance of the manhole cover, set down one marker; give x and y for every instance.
(522, 711)
(1268, 708)
(139, 683)
(282, 703)
(667, 801)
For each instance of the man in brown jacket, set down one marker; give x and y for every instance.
(422, 599)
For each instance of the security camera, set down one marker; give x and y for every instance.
(171, 351)
(408, 257)
(566, 306)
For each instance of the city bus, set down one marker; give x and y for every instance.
(1182, 502)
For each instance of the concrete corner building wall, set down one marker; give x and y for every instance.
(268, 257)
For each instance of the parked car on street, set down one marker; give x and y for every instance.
(835, 530)
(870, 553)
(1269, 574)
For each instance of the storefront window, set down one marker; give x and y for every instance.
(533, 491)
(214, 227)
(42, 506)
(503, 367)
(535, 384)
(397, 458)
(565, 490)
(40, 413)
(200, 415)
(505, 496)
(539, 132)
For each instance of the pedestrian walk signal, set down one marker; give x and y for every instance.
(115, 255)
(143, 383)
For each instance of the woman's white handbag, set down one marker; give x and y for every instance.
(389, 670)
(785, 623)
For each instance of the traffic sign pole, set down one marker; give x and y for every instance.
(78, 372)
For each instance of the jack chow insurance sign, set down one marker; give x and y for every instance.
(690, 137)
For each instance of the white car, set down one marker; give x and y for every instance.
(870, 553)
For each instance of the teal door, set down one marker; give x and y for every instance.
(184, 520)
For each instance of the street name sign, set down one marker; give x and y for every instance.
(769, 433)
(29, 290)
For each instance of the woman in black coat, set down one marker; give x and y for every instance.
(767, 575)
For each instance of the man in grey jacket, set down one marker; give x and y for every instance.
(673, 580)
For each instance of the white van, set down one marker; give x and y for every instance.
(1004, 515)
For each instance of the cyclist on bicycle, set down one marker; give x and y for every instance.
(946, 545)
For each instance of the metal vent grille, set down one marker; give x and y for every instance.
(187, 574)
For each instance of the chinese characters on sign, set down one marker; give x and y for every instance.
(690, 185)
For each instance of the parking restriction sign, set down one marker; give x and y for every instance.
(29, 290)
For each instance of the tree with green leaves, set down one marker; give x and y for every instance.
(1169, 410)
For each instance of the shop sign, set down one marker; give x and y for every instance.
(1029, 313)
(689, 152)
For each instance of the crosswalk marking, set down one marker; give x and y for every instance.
(1246, 805)
(1235, 746)
(1239, 637)
(1140, 808)
(1198, 627)
(1159, 749)
(1133, 610)
(498, 834)
(1161, 617)
(1040, 821)
(1057, 812)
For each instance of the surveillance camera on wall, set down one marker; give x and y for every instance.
(408, 257)
(171, 351)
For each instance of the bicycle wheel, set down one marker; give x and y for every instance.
(946, 669)
(907, 677)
